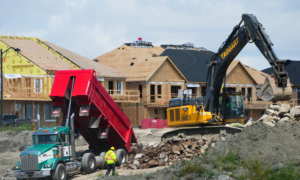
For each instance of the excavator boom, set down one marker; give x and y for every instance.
(214, 108)
(276, 88)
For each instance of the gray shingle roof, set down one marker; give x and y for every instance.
(191, 63)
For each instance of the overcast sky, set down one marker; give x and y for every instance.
(94, 27)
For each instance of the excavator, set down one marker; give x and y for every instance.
(218, 109)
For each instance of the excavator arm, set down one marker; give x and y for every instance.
(276, 88)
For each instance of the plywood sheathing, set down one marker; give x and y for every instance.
(84, 62)
(37, 54)
(257, 76)
(139, 63)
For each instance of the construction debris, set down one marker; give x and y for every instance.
(168, 152)
(278, 114)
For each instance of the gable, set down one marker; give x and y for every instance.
(238, 75)
(166, 72)
(16, 63)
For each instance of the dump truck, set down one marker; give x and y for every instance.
(83, 103)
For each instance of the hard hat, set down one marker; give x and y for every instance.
(112, 148)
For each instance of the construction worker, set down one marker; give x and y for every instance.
(110, 158)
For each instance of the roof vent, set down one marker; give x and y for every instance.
(132, 63)
(96, 60)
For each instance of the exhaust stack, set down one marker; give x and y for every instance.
(72, 137)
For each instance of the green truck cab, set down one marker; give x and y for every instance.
(52, 154)
(50, 147)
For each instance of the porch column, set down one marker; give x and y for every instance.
(14, 107)
(32, 112)
(137, 114)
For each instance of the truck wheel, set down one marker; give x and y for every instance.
(121, 157)
(60, 173)
(102, 156)
(89, 163)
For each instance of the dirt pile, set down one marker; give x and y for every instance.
(273, 145)
(168, 152)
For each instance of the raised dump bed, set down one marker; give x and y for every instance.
(102, 123)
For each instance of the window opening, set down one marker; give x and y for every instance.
(159, 91)
(141, 90)
(111, 87)
(152, 93)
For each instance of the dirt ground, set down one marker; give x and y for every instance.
(12, 144)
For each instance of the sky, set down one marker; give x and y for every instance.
(94, 27)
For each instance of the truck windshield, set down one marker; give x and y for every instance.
(45, 139)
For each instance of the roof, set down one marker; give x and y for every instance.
(84, 62)
(292, 67)
(38, 54)
(191, 63)
(258, 76)
(139, 63)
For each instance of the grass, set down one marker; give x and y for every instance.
(23, 127)
(189, 167)
(211, 164)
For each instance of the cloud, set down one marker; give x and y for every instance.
(92, 28)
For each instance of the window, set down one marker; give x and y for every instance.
(158, 91)
(258, 98)
(174, 91)
(44, 139)
(244, 91)
(119, 85)
(110, 87)
(155, 111)
(141, 90)
(63, 138)
(47, 113)
(194, 90)
(230, 89)
(152, 93)
(38, 86)
(250, 92)
(28, 111)
(17, 106)
(203, 91)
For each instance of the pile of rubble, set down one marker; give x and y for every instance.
(168, 152)
(276, 113)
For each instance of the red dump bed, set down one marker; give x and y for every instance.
(102, 123)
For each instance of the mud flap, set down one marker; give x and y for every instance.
(270, 91)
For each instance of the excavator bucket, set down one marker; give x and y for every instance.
(271, 92)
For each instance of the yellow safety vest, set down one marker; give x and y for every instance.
(110, 157)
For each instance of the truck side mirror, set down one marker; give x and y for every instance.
(198, 108)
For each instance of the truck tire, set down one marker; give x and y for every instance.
(121, 157)
(60, 172)
(89, 163)
(103, 164)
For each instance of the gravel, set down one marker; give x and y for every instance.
(273, 145)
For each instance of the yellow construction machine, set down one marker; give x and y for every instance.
(216, 108)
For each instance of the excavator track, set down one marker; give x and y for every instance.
(214, 131)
